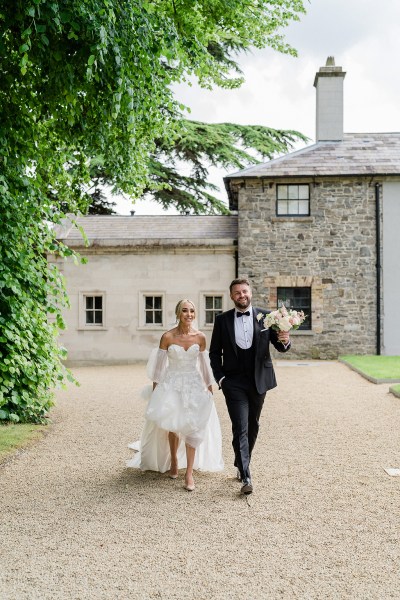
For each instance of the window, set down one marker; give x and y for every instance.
(292, 200)
(153, 310)
(93, 310)
(296, 298)
(213, 307)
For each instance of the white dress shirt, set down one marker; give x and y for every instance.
(244, 329)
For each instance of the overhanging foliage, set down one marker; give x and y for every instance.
(86, 78)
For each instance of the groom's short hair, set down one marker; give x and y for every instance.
(239, 281)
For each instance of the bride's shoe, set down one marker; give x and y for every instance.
(189, 487)
(173, 472)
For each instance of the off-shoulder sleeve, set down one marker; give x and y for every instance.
(157, 365)
(205, 368)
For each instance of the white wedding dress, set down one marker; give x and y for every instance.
(180, 403)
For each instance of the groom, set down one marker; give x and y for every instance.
(242, 366)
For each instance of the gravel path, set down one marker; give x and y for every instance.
(323, 522)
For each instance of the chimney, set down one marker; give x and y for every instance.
(329, 84)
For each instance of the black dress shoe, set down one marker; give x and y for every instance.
(247, 487)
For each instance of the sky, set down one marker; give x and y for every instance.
(364, 38)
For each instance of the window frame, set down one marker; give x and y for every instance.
(142, 310)
(201, 317)
(214, 311)
(82, 324)
(307, 325)
(292, 200)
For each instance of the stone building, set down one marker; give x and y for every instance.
(316, 229)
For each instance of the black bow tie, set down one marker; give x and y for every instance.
(240, 314)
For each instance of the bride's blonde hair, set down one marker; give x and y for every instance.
(179, 306)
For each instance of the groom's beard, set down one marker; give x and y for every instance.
(243, 304)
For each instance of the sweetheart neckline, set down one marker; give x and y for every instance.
(178, 346)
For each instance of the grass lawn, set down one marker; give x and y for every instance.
(16, 436)
(379, 367)
(395, 389)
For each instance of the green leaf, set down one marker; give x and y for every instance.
(26, 33)
(65, 113)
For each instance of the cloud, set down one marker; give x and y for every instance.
(362, 35)
(278, 90)
(338, 25)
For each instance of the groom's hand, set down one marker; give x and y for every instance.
(283, 336)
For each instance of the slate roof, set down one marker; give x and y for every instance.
(116, 230)
(357, 154)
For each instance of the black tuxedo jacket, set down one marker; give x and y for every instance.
(223, 350)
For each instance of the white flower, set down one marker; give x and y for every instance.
(283, 319)
(285, 324)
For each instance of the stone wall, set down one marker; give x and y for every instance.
(332, 250)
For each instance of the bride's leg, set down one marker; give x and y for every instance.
(173, 446)
(190, 454)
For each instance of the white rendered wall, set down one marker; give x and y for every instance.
(123, 277)
(391, 268)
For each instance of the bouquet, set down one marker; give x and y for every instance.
(282, 319)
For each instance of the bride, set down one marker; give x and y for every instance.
(182, 427)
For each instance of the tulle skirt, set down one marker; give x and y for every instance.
(182, 404)
(153, 453)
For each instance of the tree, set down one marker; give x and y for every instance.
(99, 204)
(197, 146)
(80, 79)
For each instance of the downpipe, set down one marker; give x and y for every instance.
(378, 266)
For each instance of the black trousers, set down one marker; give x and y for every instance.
(244, 406)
